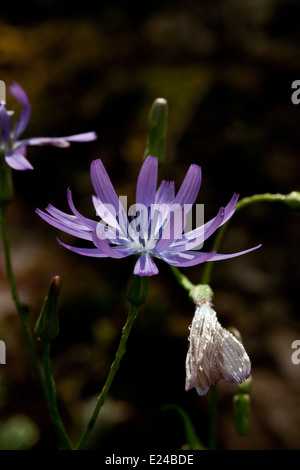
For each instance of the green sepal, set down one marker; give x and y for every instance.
(137, 290)
(47, 325)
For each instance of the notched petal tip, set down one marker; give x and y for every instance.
(190, 186)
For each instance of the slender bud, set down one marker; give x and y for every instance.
(137, 290)
(47, 326)
(157, 130)
(241, 409)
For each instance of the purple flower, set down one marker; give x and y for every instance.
(156, 223)
(14, 150)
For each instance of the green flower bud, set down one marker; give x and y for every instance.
(157, 130)
(241, 410)
(47, 326)
(137, 290)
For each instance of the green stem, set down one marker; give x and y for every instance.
(19, 306)
(182, 279)
(266, 197)
(113, 370)
(52, 400)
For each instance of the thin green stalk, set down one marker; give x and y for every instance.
(266, 197)
(63, 437)
(19, 306)
(182, 279)
(113, 370)
(206, 277)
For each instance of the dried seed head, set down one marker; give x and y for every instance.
(214, 353)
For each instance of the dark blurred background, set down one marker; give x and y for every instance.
(226, 69)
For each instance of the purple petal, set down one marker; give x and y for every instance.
(188, 258)
(17, 161)
(165, 193)
(62, 142)
(230, 208)
(22, 150)
(113, 231)
(69, 219)
(190, 187)
(102, 243)
(107, 213)
(66, 226)
(54, 141)
(87, 222)
(93, 252)
(219, 256)
(102, 185)
(200, 234)
(147, 182)
(172, 229)
(145, 266)
(85, 137)
(160, 210)
(17, 91)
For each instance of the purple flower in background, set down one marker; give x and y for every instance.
(154, 227)
(14, 150)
